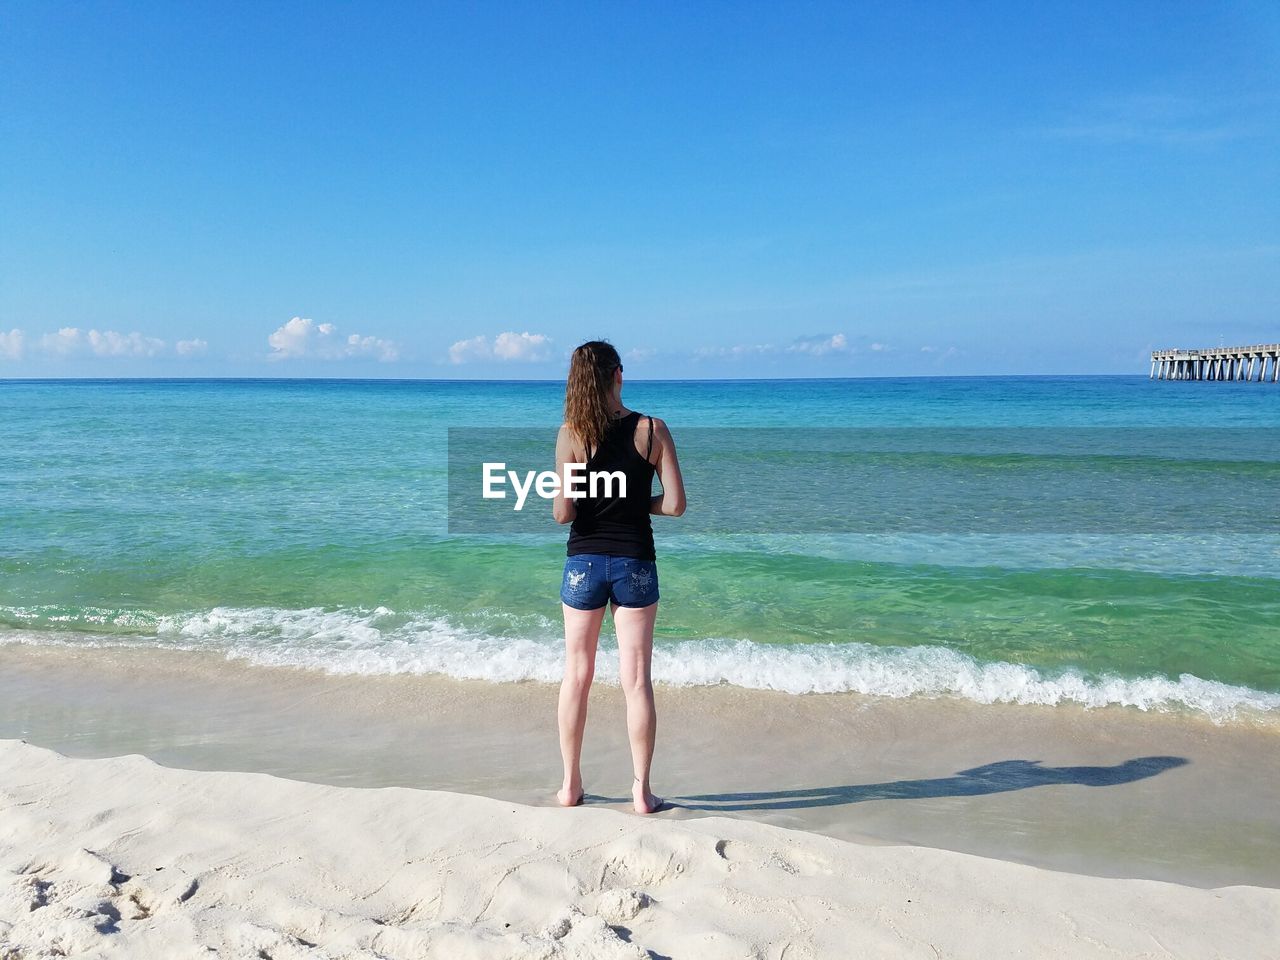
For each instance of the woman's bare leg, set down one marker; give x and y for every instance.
(635, 655)
(581, 637)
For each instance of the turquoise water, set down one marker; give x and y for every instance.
(304, 523)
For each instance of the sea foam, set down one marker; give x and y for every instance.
(382, 641)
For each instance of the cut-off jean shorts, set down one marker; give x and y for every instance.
(592, 580)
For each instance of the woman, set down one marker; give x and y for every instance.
(610, 556)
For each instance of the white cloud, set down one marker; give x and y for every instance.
(508, 347)
(818, 345)
(736, 352)
(821, 345)
(940, 353)
(302, 338)
(465, 351)
(639, 355)
(12, 344)
(109, 343)
(191, 348)
(72, 341)
(377, 347)
(75, 342)
(66, 341)
(528, 347)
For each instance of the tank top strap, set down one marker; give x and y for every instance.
(637, 414)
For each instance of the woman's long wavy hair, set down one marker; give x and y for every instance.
(587, 404)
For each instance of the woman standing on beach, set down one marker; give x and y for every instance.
(611, 558)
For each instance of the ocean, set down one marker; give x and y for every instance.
(305, 523)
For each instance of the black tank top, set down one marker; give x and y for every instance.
(618, 526)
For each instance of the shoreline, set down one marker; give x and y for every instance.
(126, 858)
(1105, 791)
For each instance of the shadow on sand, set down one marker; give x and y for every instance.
(992, 778)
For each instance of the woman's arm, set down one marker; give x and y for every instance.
(562, 508)
(670, 502)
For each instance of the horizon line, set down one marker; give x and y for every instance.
(560, 380)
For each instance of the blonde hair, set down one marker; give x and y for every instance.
(588, 391)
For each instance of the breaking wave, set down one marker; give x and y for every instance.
(501, 649)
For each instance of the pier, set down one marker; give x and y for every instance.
(1218, 363)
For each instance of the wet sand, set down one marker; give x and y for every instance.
(1112, 792)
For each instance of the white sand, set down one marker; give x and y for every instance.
(124, 858)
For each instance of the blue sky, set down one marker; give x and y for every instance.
(723, 190)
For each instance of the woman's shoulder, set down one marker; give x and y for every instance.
(568, 440)
(647, 420)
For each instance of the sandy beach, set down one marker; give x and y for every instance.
(125, 858)
(802, 827)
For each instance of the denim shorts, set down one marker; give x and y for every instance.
(592, 580)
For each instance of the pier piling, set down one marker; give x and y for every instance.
(1218, 363)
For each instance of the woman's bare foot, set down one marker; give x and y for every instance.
(642, 798)
(570, 796)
